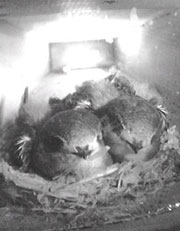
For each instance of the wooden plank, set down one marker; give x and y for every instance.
(141, 4)
(33, 7)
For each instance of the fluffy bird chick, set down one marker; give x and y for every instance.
(17, 135)
(93, 94)
(70, 143)
(146, 90)
(134, 125)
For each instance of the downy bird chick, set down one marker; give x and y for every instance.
(66, 143)
(93, 94)
(132, 127)
(70, 143)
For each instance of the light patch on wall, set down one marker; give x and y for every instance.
(11, 90)
(80, 28)
(35, 56)
(130, 40)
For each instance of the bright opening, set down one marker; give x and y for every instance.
(81, 57)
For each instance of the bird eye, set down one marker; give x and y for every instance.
(53, 144)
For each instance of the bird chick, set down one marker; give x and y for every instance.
(70, 143)
(134, 125)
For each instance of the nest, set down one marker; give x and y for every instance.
(120, 193)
